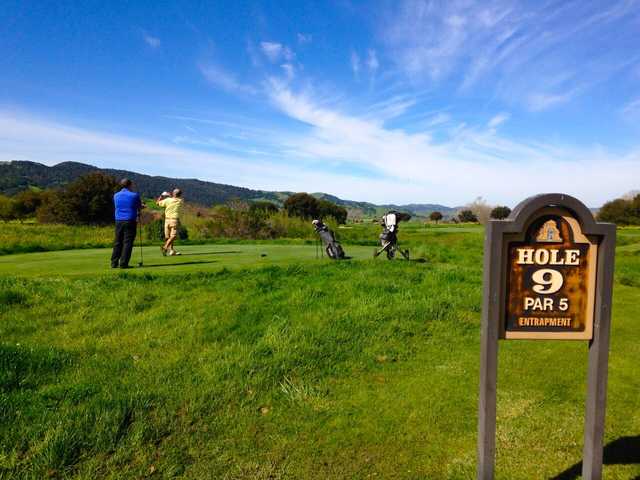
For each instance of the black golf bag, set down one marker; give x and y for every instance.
(331, 245)
(389, 235)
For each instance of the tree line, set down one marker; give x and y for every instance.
(89, 201)
(622, 211)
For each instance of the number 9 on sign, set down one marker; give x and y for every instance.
(547, 281)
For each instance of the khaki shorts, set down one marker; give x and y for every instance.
(171, 227)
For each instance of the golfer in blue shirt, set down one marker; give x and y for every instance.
(127, 207)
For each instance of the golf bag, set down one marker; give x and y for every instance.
(389, 235)
(331, 245)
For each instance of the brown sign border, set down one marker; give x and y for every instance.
(578, 236)
(493, 303)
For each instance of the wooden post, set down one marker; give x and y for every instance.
(598, 363)
(488, 359)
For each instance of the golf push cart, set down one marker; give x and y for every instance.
(331, 245)
(389, 235)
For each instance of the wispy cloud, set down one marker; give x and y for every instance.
(476, 161)
(276, 51)
(632, 108)
(498, 120)
(153, 42)
(289, 70)
(543, 101)
(304, 38)
(508, 45)
(221, 78)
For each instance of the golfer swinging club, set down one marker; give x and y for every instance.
(172, 204)
(127, 208)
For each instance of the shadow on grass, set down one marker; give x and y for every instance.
(195, 262)
(623, 451)
(210, 253)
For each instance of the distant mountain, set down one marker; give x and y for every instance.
(19, 175)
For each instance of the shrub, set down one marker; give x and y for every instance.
(467, 216)
(307, 206)
(88, 200)
(500, 212)
(621, 211)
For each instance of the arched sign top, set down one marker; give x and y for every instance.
(525, 209)
(543, 262)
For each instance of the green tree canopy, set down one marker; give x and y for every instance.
(88, 200)
(500, 212)
(621, 211)
(467, 216)
(435, 216)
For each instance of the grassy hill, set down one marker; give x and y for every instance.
(17, 175)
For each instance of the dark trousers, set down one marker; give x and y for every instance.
(123, 243)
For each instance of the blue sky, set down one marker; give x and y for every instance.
(400, 101)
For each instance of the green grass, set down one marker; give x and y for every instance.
(287, 367)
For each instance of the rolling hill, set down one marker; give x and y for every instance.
(19, 175)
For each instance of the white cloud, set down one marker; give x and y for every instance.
(537, 102)
(632, 108)
(220, 78)
(470, 162)
(153, 42)
(511, 46)
(304, 38)
(498, 119)
(275, 51)
(289, 70)
(272, 50)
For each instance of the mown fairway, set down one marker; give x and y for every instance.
(287, 367)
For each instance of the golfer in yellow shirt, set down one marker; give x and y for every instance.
(172, 211)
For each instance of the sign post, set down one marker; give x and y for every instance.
(548, 275)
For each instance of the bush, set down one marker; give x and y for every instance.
(435, 216)
(154, 231)
(7, 211)
(307, 206)
(467, 216)
(88, 200)
(500, 212)
(621, 211)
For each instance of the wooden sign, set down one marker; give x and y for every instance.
(550, 279)
(548, 274)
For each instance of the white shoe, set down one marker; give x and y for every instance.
(173, 253)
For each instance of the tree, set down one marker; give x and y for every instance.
(263, 207)
(301, 205)
(435, 217)
(500, 212)
(621, 211)
(467, 216)
(328, 209)
(7, 211)
(88, 200)
(480, 209)
(26, 203)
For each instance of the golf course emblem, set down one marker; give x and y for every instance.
(549, 232)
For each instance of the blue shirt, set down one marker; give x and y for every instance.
(127, 204)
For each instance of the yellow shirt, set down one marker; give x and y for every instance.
(172, 208)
